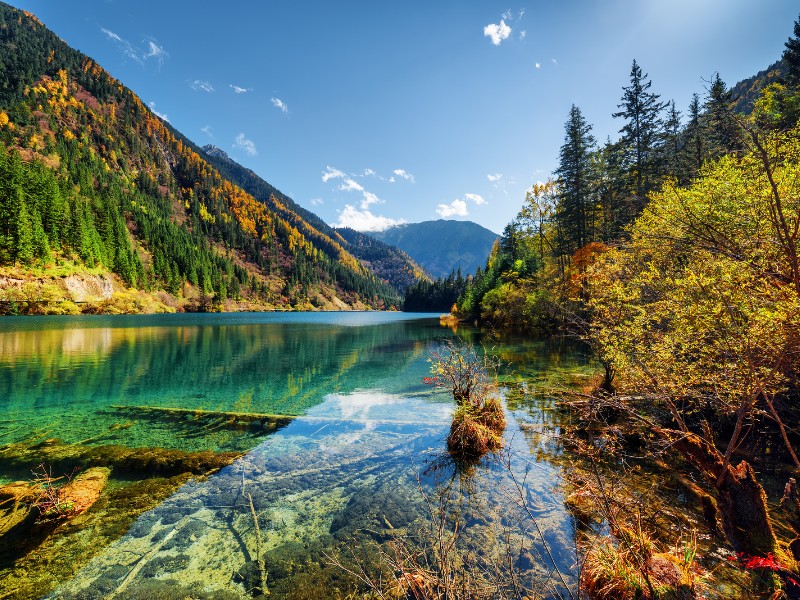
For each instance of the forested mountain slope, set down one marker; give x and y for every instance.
(387, 263)
(92, 179)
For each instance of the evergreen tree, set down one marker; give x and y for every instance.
(575, 181)
(608, 173)
(673, 142)
(724, 132)
(791, 56)
(23, 230)
(695, 142)
(641, 135)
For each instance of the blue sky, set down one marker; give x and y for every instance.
(373, 113)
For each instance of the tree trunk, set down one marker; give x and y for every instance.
(741, 500)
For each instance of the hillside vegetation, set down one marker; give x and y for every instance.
(92, 179)
(389, 264)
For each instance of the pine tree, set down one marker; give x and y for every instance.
(575, 181)
(673, 142)
(724, 132)
(791, 56)
(642, 133)
(22, 227)
(695, 137)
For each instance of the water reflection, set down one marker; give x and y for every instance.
(69, 382)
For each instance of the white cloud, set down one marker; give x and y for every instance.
(111, 35)
(521, 13)
(207, 130)
(497, 32)
(156, 113)
(404, 174)
(456, 208)
(507, 14)
(199, 85)
(317, 201)
(239, 90)
(156, 51)
(124, 45)
(152, 48)
(523, 34)
(364, 220)
(242, 143)
(538, 65)
(555, 62)
(369, 199)
(494, 177)
(279, 104)
(331, 173)
(476, 198)
(367, 173)
(350, 185)
(392, 180)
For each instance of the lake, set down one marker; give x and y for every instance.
(295, 453)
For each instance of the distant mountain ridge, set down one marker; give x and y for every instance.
(389, 264)
(442, 246)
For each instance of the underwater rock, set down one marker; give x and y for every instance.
(380, 515)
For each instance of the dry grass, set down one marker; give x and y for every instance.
(476, 430)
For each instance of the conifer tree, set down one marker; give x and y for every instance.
(695, 144)
(641, 134)
(672, 142)
(791, 56)
(574, 175)
(724, 133)
(22, 228)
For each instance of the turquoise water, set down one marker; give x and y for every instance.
(359, 472)
(66, 378)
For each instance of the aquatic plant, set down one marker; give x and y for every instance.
(478, 421)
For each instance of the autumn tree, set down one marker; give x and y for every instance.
(699, 317)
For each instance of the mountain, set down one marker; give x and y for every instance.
(389, 264)
(746, 92)
(94, 185)
(442, 246)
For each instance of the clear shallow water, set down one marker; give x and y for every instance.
(362, 464)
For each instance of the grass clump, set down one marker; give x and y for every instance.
(479, 420)
(476, 431)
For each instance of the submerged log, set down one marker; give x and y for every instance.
(741, 500)
(149, 461)
(267, 421)
(83, 491)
